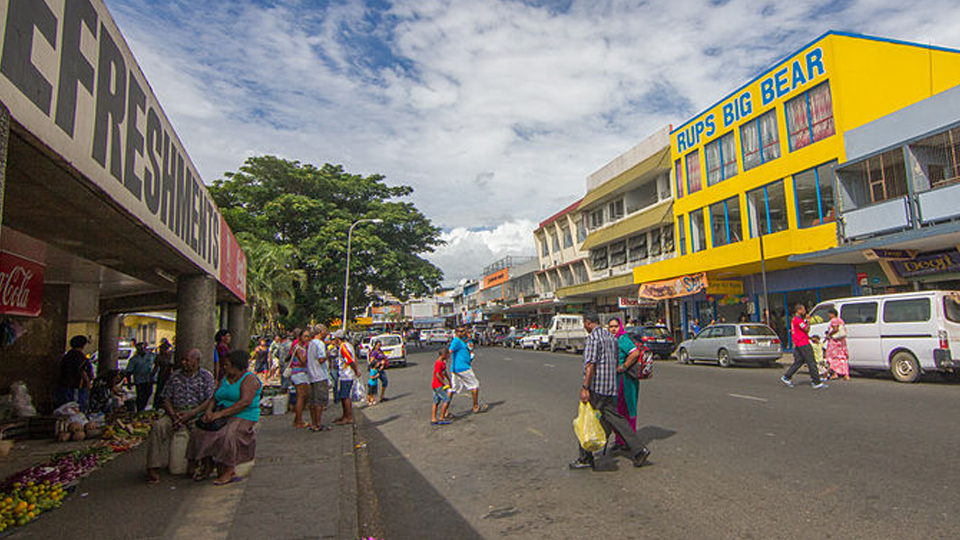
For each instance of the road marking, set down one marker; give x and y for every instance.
(508, 359)
(754, 398)
(549, 365)
(535, 432)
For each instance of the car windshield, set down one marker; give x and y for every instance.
(756, 330)
(389, 341)
(655, 331)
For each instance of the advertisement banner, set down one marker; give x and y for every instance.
(731, 287)
(233, 262)
(929, 263)
(674, 288)
(497, 278)
(21, 286)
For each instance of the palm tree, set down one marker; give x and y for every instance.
(272, 280)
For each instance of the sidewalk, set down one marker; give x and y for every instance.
(304, 485)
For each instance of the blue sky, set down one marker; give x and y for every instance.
(495, 111)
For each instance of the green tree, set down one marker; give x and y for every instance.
(273, 279)
(285, 202)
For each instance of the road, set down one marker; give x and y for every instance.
(735, 455)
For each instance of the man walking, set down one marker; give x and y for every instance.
(599, 388)
(462, 367)
(140, 370)
(802, 350)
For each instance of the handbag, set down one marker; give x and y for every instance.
(643, 367)
(214, 425)
(841, 332)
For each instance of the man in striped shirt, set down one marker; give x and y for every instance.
(599, 388)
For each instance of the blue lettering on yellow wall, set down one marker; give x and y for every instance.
(766, 92)
(815, 60)
(711, 126)
(798, 78)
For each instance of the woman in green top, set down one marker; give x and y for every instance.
(628, 388)
(237, 400)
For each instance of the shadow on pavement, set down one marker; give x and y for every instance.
(398, 396)
(386, 420)
(395, 500)
(655, 433)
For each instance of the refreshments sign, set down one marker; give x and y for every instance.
(674, 288)
(21, 285)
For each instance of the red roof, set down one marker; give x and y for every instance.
(561, 213)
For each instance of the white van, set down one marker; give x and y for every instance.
(907, 333)
(567, 332)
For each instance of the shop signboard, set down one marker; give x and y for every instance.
(862, 279)
(890, 254)
(728, 287)
(21, 285)
(624, 303)
(674, 288)
(930, 263)
(497, 278)
(69, 78)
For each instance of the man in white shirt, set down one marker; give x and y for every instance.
(319, 374)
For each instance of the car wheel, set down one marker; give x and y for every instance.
(904, 367)
(723, 358)
(683, 357)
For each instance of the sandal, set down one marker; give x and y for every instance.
(219, 482)
(481, 409)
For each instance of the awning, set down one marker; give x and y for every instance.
(657, 215)
(660, 160)
(598, 285)
(927, 239)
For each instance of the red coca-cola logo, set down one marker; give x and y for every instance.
(21, 285)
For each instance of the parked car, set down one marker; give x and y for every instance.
(655, 337)
(124, 352)
(566, 332)
(436, 335)
(513, 339)
(363, 349)
(729, 344)
(537, 340)
(907, 333)
(392, 345)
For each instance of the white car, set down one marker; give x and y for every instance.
(392, 345)
(436, 335)
(535, 340)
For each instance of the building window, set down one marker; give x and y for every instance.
(599, 258)
(810, 117)
(721, 158)
(693, 171)
(942, 157)
(681, 236)
(596, 219)
(760, 140)
(668, 246)
(544, 248)
(616, 209)
(698, 231)
(887, 176)
(678, 174)
(813, 190)
(655, 248)
(567, 237)
(555, 242)
(767, 209)
(638, 247)
(581, 232)
(618, 253)
(725, 222)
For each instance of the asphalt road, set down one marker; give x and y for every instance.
(735, 455)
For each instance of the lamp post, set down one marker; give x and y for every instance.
(346, 277)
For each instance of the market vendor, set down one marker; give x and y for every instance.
(184, 396)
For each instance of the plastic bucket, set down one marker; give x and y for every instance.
(280, 403)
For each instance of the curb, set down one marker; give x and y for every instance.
(349, 520)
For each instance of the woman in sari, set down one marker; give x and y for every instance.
(628, 387)
(836, 353)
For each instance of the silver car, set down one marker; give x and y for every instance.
(729, 344)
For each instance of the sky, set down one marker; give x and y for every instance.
(494, 111)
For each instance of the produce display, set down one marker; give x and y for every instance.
(32, 491)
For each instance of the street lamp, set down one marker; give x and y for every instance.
(346, 277)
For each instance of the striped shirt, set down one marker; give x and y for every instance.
(601, 350)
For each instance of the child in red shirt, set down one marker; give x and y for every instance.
(441, 396)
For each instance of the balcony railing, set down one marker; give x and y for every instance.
(939, 204)
(883, 217)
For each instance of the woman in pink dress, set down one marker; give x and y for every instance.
(836, 353)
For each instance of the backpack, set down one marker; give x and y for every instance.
(643, 367)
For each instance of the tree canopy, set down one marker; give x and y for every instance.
(307, 212)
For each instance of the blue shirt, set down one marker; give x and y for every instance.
(141, 367)
(461, 355)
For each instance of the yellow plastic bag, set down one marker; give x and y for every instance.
(588, 429)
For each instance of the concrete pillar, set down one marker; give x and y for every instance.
(196, 316)
(238, 323)
(108, 342)
(4, 139)
(84, 312)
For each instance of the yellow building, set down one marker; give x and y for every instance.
(754, 174)
(149, 328)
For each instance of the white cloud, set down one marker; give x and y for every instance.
(468, 251)
(495, 111)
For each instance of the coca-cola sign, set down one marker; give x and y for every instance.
(21, 285)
